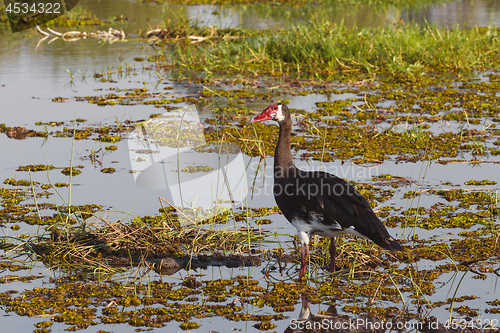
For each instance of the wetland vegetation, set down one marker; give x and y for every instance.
(402, 94)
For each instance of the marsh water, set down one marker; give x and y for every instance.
(33, 73)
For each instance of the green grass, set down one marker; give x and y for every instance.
(76, 17)
(397, 3)
(324, 50)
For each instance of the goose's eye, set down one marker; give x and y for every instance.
(275, 108)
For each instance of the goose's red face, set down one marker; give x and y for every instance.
(272, 112)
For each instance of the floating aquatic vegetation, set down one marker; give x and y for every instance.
(14, 182)
(364, 274)
(35, 168)
(109, 138)
(72, 171)
(108, 170)
(480, 182)
(197, 168)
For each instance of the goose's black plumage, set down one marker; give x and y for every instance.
(318, 202)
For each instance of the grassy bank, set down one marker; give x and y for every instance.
(325, 50)
(396, 3)
(77, 17)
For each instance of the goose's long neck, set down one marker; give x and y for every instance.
(283, 162)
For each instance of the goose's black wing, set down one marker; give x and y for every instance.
(338, 202)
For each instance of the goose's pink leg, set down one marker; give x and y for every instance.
(333, 254)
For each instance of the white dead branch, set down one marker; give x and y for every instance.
(112, 35)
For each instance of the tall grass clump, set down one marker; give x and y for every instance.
(388, 49)
(325, 49)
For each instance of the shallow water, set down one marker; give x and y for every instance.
(32, 75)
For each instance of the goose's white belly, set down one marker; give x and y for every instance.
(315, 226)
